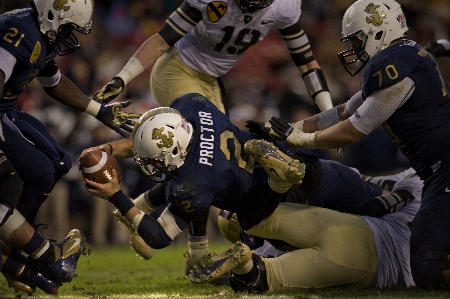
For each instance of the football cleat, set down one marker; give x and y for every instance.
(278, 165)
(67, 254)
(214, 265)
(19, 286)
(29, 287)
(137, 243)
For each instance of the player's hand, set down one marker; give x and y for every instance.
(110, 91)
(438, 48)
(120, 121)
(83, 153)
(263, 130)
(106, 190)
(281, 127)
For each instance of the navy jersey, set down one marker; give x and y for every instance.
(20, 36)
(217, 171)
(421, 127)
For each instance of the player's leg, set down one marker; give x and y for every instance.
(21, 274)
(335, 249)
(36, 157)
(55, 263)
(171, 78)
(430, 240)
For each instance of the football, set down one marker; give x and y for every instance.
(97, 165)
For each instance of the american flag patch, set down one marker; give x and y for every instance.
(401, 18)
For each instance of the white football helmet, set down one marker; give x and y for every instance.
(161, 138)
(370, 25)
(58, 18)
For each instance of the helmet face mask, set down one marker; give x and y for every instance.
(355, 58)
(370, 26)
(154, 169)
(252, 6)
(57, 21)
(161, 141)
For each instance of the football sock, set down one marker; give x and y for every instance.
(381, 205)
(40, 249)
(380, 181)
(198, 246)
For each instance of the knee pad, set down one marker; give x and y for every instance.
(10, 221)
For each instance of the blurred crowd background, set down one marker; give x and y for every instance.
(264, 83)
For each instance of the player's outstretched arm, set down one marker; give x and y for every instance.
(144, 58)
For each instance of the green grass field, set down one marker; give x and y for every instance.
(116, 272)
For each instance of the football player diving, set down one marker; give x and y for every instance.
(199, 155)
(200, 42)
(404, 91)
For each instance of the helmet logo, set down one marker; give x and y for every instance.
(375, 17)
(216, 10)
(166, 141)
(61, 5)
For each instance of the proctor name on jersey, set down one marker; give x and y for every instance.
(206, 138)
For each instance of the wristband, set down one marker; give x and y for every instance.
(93, 108)
(131, 70)
(328, 118)
(121, 202)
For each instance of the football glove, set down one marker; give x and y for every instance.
(438, 48)
(281, 127)
(263, 130)
(120, 121)
(110, 91)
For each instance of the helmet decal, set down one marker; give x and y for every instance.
(166, 141)
(375, 18)
(61, 5)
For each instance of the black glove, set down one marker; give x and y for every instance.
(437, 49)
(281, 127)
(113, 116)
(110, 91)
(258, 128)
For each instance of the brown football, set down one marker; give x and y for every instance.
(97, 165)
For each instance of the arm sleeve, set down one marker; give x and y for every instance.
(179, 23)
(354, 102)
(298, 44)
(380, 105)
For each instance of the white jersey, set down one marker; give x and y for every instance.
(392, 236)
(217, 42)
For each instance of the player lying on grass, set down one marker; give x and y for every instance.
(46, 265)
(330, 248)
(198, 153)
